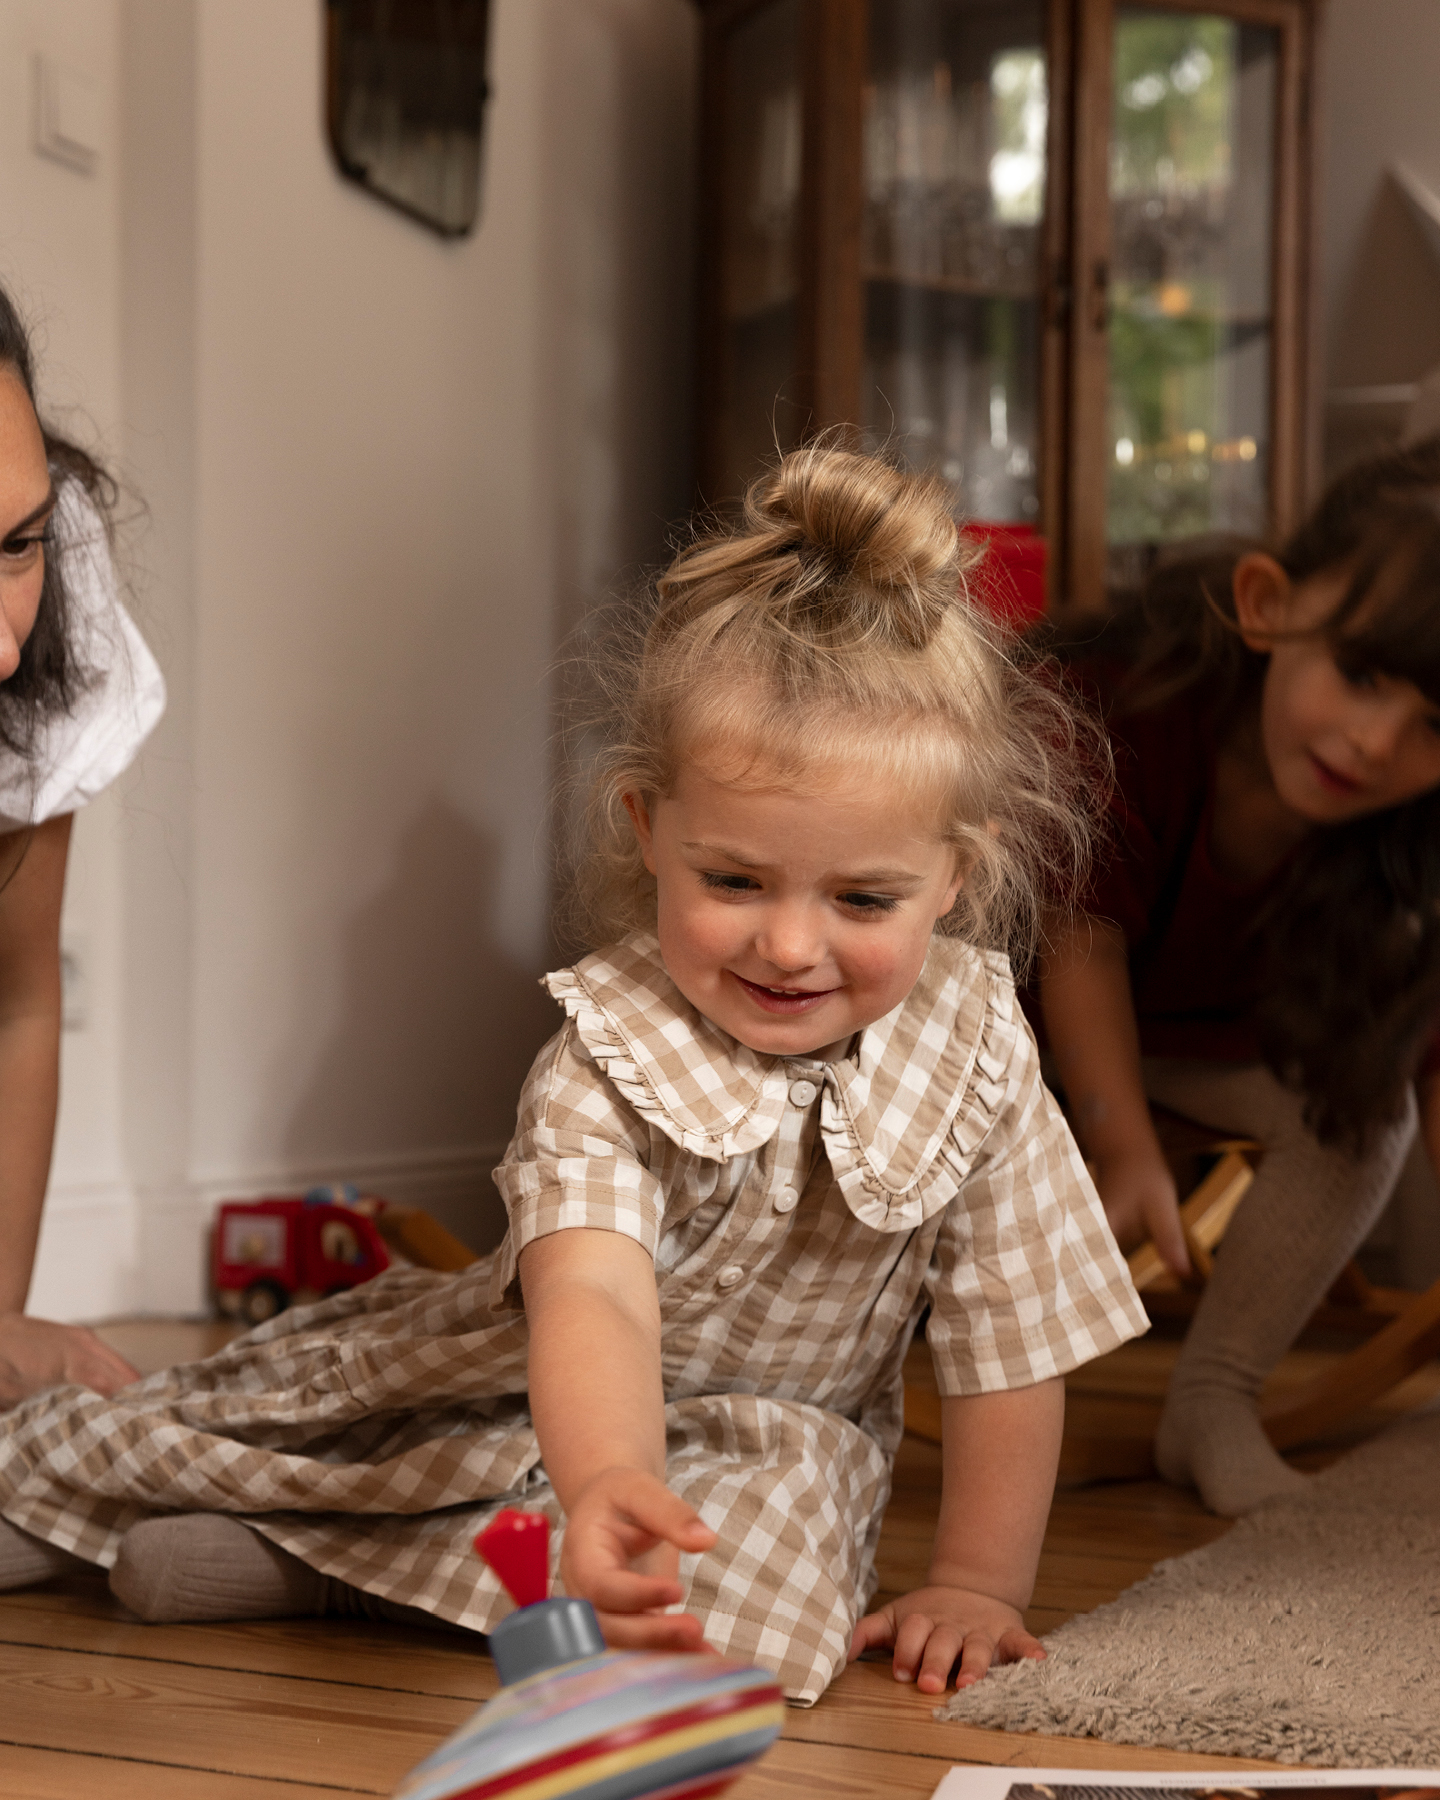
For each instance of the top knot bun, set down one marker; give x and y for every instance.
(837, 546)
(883, 526)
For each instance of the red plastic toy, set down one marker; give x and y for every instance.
(267, 1254)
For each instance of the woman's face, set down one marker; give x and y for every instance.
(26, 502)
(1340, 741)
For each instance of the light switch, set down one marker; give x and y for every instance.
(67, 116)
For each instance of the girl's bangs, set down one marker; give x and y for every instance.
(1389, 620)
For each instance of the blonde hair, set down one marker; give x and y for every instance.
(831, 628)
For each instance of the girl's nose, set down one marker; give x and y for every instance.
(9, 648)
(788, 939)
(1377, 731)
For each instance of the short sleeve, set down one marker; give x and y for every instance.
(1025, 1281)
(80, 752)
(578, 1160)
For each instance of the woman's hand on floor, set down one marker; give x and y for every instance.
(623, 1539)
(936, 1627)
(36, 1354)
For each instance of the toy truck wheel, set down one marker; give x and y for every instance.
(262, 1300)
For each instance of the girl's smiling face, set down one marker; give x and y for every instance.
(792, 920)
(1340, 740)
(26, 502)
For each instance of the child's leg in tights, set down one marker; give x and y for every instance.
(26, 1560)
(196, 1566)
(1308, 1211)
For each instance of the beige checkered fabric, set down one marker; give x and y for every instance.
(802, 1217)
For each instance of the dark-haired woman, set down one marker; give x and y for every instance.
(78, 693)
(1263, 951)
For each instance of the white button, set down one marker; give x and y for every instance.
(802, 1092)
(786, 1200)
(729, 1275)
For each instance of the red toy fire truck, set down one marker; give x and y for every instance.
(267, 1254)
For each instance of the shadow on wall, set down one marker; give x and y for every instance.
(438, 1025)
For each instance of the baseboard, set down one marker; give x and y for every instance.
(108, 1250)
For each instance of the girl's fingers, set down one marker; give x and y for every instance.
(875, 1628)
(910, 1641)
(622, 1591)
(665, 1516)
(653, 1631)
(944, 1645)
(975, 1659)
(1016, 1645)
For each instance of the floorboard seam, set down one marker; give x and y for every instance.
(176, 1662)
(150, 1762)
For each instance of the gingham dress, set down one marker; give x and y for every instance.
(802, 1216)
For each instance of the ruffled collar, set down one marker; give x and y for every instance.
(928, 1077)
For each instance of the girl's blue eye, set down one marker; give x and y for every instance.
(870, 903)
(726, 884)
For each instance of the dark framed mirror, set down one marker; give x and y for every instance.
(406, 86)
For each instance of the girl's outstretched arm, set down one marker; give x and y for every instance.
(1090, 1019)
(1000, 1455)
(599, 1409)
(34, 1354)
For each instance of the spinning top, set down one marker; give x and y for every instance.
(575, 1721)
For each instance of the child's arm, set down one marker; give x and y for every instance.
(1000, 1454)
(1090, 1020)
(599, 1412)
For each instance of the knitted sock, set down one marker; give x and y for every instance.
(194, 1566)
(25, 1560)
(1307, 1212)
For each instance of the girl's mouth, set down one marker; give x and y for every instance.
(1331, 780)
(783, 1000)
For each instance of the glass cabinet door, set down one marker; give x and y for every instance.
(755, 339)
(1192, 160)
(954, 171)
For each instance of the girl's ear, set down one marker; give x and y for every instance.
(1262, 600)
(639, 812)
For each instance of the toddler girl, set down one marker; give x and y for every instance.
(1263, 951)
(782, 1120)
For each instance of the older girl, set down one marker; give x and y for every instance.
(782, 1120)
(1263, 951)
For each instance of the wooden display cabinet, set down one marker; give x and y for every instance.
(1057, 251)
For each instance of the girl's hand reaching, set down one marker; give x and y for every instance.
(1138, 1193)
(935, 1627)
(622, 1553)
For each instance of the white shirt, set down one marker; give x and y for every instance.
(80, 752)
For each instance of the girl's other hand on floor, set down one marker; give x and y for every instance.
(621, 1552)
(936, 1627)
(1138, 1193)
(36, 1354)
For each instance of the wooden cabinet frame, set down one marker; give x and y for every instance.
(1075, 252)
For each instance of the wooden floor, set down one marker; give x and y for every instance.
(94, 1704)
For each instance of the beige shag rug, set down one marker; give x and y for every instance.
(1310, 1633)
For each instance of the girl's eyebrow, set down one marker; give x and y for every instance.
(862, 878)
(45, 506)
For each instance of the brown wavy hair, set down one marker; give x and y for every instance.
(829, 632)
(1351, 941)
(50, 676)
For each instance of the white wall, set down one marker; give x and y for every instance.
(385, 472)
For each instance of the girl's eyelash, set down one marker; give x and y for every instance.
(726, 884)
(19, 545)
(871, 903)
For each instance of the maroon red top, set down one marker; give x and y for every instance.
(1194, 959)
